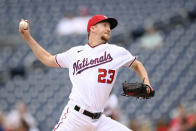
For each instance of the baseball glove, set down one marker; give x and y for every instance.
(138, 90)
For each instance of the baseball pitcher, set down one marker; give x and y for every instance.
(93, 68)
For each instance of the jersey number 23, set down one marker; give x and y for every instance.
(103, 78)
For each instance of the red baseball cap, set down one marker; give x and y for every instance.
(100, 18)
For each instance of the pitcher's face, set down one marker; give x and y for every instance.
(103, 30)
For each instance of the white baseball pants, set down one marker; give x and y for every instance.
(72, 120)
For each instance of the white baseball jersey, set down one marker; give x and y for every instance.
(93, 71)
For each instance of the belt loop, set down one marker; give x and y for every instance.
(81, 111)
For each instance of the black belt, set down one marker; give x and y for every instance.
(87, 113)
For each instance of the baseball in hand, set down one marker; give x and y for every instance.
(23, 24)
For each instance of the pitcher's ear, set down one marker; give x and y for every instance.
(92, 28)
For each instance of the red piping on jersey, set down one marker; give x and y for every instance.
(95, 45)
(56, 60)
(61, 120)
(132, 61)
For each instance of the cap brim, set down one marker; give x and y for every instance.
(113, 22)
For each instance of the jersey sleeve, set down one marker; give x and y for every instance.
(126, 57)
(129, 63)
(63, 59)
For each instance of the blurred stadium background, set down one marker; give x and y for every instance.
(45, 91)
